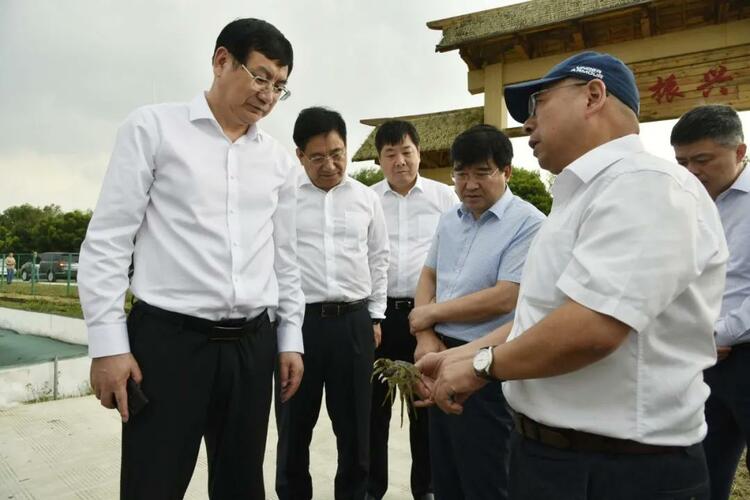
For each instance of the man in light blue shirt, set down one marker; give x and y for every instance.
(469, 287)
(709, 142)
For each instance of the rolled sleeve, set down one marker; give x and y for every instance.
(514, 258)
(734, 327)
(634, 269)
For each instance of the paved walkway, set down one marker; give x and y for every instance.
(70, 449)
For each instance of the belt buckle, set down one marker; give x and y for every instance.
(223, 333)
(330, 310)
(403, 304)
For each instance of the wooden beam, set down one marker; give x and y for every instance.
(522, 47)
(495, 110)
(661, 46)
(645, 23)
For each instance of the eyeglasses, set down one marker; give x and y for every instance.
(479, 176)
(320, 160)
(262, 83)
(533, 97)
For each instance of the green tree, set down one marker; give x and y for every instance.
(529, 186)
(368, 175)
(25, 228)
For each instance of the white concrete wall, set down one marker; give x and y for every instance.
(71, 330)
(34, 382)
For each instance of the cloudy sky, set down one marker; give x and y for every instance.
(72, 70)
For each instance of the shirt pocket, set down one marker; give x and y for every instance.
(355, 231)
(426, 225)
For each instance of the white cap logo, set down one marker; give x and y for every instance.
(588, 70)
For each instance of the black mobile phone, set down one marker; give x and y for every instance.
(136, 399)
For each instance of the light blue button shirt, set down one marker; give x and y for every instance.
(470, 255)
(733, 325)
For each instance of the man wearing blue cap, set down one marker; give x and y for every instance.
(614, 321)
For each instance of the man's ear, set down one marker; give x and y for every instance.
(300, 154)
(597, 95)
(741, 152)
(220, 60)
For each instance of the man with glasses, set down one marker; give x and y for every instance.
(204, 201)
(343, 255)
(614, 323)
(468, 287)
(412, 205)
(708, 141)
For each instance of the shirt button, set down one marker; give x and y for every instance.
(236, 279)
(235, 244)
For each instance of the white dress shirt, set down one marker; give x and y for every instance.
(411, 221)
(213, 223)
(733, 325)
(637, 238)
(342, 244)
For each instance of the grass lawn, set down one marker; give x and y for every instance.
(53, 299)
(46, 298)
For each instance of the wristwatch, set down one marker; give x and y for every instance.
(376, 321)
(483, 363)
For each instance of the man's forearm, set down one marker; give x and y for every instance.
(426, 287)
(568, 339)
(478, 306)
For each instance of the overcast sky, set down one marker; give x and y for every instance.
(72, 70)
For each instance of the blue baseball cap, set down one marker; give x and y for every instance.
(586, 66)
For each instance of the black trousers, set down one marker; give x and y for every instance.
(397, 343)
(470, 452)
(728, 418)
(338, 356)
(541, 472)
(220, 391)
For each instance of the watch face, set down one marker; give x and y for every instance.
(482, 360)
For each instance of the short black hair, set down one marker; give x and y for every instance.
(315, 121)
(242, 36)
(393, 132)
(480, 143)
(712, 121)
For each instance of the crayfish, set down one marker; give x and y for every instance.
(400, 375)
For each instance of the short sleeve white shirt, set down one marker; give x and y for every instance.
(637, 238)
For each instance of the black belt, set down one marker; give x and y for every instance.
(400, 304)
(450, 342)
(222, 330)
(570, 439)
(335, 309)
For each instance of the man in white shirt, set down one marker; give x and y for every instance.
(709, 142)
(412, 205)
(204, 202)
(342, 244)
(615, 314)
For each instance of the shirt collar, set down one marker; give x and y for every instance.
(418, 185)
(199, 110)
(304, 180)
(742, 182)
(590, 164)
(498, 209)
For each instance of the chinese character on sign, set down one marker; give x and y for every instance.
(666, 89)
(714, 76)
